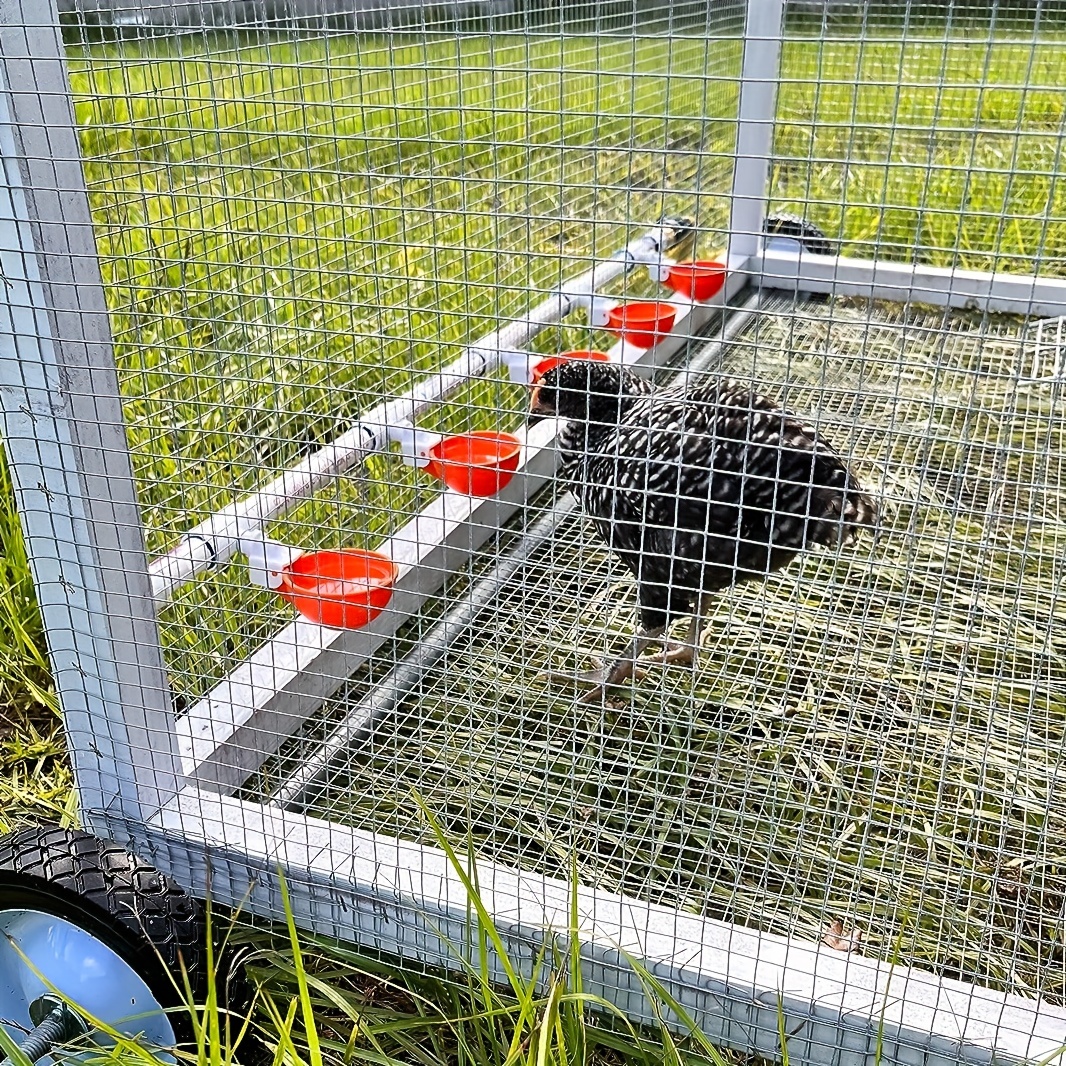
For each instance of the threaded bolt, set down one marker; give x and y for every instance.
(55, 1023)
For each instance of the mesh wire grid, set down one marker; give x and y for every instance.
(925, 133)
(295, 219)
(871, 737)
(290, 228)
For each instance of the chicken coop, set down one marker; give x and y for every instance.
(281, 294)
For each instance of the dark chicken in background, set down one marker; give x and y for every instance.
(695, 489)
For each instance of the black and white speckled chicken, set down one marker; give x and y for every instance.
(695, 489)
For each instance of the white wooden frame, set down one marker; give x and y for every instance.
(65, 440)
(967, 290)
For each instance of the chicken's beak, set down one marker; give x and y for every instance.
(537, 411)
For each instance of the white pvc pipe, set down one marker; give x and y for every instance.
(215, 540)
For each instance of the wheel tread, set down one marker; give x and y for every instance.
(162, 927)
(146, 902)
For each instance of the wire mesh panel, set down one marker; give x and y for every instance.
(926, 133)
(869, 749)
(336, 241)
(296, 222)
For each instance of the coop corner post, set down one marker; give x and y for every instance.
(66, 443)
(755, 129)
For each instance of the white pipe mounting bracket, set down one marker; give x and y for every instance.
(266, 559)
(414, 443)
(596, 305)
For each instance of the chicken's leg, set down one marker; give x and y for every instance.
(623, 668)
(629, 664)
(602, 677)
(687, 652)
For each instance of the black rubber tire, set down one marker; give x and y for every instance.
(810, 237)
(141, 914)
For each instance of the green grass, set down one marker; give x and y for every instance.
(289, 231)
(34, 777)
(873, 736)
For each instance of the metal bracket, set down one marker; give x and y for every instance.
(657, 263)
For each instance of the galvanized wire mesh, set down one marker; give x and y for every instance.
(293, 226)
(300, 210)
(926, 133)
(872, 737)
